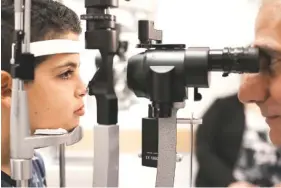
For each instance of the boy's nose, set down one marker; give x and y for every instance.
(81, 90)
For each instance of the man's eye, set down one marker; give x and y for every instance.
(66, 75)
(265, 62)
(275, 66)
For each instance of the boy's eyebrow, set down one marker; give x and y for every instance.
(68, 64)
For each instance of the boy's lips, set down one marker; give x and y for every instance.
(80, 111)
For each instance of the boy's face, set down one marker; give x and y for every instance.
(264, 88)
(55, 96)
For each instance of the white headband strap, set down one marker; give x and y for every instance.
(58, 46)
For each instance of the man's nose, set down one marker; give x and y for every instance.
(253, 89)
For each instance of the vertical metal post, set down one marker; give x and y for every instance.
(22, 183)
(191, 151)
(62, 164)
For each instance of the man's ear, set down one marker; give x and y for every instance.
(6, 87)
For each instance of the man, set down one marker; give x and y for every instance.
(264, 88)
(55, 95)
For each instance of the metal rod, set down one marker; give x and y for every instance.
(191, 151)
(27, 20)
(62, 164)
(18, 15)
(188, 121)
(19, 21)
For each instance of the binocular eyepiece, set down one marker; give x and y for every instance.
(190, 66)
(163, 71)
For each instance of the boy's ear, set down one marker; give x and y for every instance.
(6, 85)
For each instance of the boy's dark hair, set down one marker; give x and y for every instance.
(49, 20)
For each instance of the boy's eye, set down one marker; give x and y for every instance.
(66, 75)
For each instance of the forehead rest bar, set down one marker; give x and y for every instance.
(58, 46)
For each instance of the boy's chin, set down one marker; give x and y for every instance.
(73, 126)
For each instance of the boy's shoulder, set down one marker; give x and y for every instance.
(38, 174)
(39, 160)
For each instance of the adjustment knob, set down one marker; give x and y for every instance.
(98, 17)
(99, 21)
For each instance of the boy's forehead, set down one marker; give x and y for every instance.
(59, 61)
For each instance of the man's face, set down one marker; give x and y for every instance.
(55, 96)
(264, 88)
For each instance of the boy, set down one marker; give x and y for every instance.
(55, 95)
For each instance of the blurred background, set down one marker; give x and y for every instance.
(212, 23)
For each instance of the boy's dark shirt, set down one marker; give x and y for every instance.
(38, 174)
